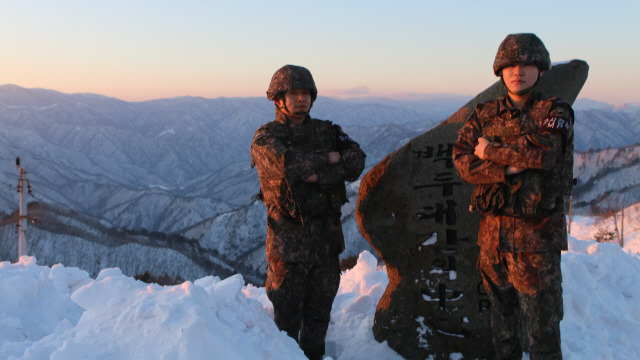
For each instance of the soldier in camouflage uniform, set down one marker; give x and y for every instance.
(302, 165)
(518, 150)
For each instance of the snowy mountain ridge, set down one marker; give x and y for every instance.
(607, 179)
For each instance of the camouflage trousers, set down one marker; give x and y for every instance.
(525, 290)
(302, 295)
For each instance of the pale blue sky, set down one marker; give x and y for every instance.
(139, 50)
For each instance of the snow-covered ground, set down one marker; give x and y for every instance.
(62, 313)
(584, 227)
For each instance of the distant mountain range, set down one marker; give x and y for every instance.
(149, 184)
(607, 179)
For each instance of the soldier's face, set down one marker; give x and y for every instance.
(520, 77)
(298, 101)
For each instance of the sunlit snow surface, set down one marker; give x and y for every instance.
(61, 313)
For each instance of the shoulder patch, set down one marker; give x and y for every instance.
(555, 123)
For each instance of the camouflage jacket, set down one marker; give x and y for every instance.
(523, 212)
(303, 219)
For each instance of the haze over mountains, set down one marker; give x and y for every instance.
(166, 186)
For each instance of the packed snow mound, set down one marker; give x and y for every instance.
(117, 317)
(601, 298)
(61, 313)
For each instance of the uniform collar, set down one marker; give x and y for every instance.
(505, 104)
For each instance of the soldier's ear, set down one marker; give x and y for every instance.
(278, 101)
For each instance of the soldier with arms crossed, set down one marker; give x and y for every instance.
(303, 164)
(518, 151)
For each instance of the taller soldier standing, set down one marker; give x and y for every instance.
(302, 165)
(518, 150)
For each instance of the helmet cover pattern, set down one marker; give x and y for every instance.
(291, 77)
(523, 48)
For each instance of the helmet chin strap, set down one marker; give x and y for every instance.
(284, 105)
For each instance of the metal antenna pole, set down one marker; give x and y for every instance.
(622, 228)
(22, 213)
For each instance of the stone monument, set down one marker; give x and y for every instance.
(413, 210)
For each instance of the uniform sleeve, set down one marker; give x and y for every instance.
(542, 150)
(277, 161)
(472, 169)
(351, 164)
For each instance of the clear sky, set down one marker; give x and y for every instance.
(139, 50)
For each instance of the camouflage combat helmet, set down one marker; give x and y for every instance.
(291, 77)
(521, 48)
